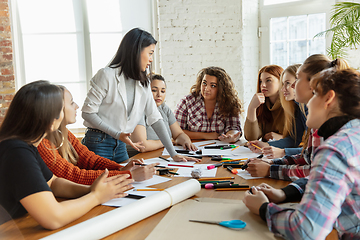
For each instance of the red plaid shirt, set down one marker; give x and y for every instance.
(191, 115)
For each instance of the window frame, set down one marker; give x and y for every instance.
(86, 70)
(301, 7)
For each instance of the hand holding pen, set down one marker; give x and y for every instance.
(256, 146)
(144, 172)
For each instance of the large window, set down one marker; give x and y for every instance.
(288, 28)
(67, 41)
(291, 38)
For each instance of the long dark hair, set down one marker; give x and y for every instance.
(129, 52)
(32, 111)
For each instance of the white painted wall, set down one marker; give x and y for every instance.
(202, 33)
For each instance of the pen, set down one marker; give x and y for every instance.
(233, 165)
(224, 185)
(246, 165)
(149, 189)
(140, 164)
(231, 160)
(226, 181)
(232, 189)
(220, 146)
(178, 165)
(134, 196)
(215, 178)
(234, 171)
(175, 173)
(234, 148)
(207, 144)
(214, 166)
(255, 146)
(164, 158)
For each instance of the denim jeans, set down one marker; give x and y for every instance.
(105, 145)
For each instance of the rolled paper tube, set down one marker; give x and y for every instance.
(117, 219)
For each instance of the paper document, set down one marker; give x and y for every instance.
(245, 174)
(186, 172)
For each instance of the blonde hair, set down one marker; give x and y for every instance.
(66, 151)
(289, 106)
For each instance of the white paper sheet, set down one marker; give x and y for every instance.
(152, 181)
(121, 202)
(165, 163)
(245, 174)
(240, 152)
(117, 219)
(186, 172)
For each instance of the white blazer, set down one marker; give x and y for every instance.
(107, 98)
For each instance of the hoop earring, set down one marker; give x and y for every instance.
(62, 142)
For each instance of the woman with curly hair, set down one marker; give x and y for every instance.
(212, 109)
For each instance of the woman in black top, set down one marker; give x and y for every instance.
(26, 184)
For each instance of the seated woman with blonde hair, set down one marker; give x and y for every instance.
(212, 109)
(71, 160)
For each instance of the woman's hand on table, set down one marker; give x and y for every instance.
(106, 188)
(189, 146)
(273, 194)
(258, 168)
(254, 201)
(181, 158)
(125, 137)
(230, 137)
(273, 152)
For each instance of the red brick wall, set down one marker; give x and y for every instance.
(7, 78)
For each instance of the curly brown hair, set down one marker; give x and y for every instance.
(227, 97)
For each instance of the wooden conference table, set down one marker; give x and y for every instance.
(30, 229)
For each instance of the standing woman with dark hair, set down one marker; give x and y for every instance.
(265, 115)
(118, 98)
(26, 184)
(212, 109)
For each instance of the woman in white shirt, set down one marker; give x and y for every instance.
(118, 98)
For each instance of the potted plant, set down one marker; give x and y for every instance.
(345, 27)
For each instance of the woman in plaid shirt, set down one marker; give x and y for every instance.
(332, 196)
(212, 109)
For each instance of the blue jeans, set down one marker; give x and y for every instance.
(105, 145)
